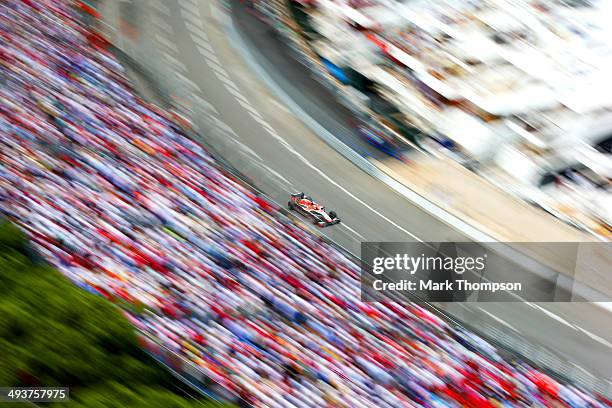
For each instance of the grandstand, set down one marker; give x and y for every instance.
(114, 194)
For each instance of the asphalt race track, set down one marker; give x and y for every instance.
(282, 155)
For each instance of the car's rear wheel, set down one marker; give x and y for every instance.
(290, 206)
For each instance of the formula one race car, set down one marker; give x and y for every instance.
(306, 206)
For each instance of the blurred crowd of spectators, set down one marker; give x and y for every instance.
(115, 195)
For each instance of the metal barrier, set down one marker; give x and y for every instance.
(185, 370)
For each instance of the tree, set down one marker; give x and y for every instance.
(114, 395)
(54, 334)
(12, 237)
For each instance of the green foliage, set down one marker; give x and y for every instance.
(54, 334)
(115, 395)
(11, 237)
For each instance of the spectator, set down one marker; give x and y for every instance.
(114, 195)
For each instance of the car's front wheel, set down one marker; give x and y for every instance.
(290, 206)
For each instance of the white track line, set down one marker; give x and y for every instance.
(202, 43)
(195, 28)
(342, 224)
(165, 42)
(207, 105)
(158, 22)
(192, 15)
(255, 114)
(229, 83)
(247, 106)
(595, 337)
(161, 7)
(214, 65)
(213, 57)
(190, 84)
(197, 31)
(566, 323)
(250, 151)
(175, 62)
(551, 315)
(189, 5)
(225, 127)
(207, 54)
(279, 176)
(499, 320)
